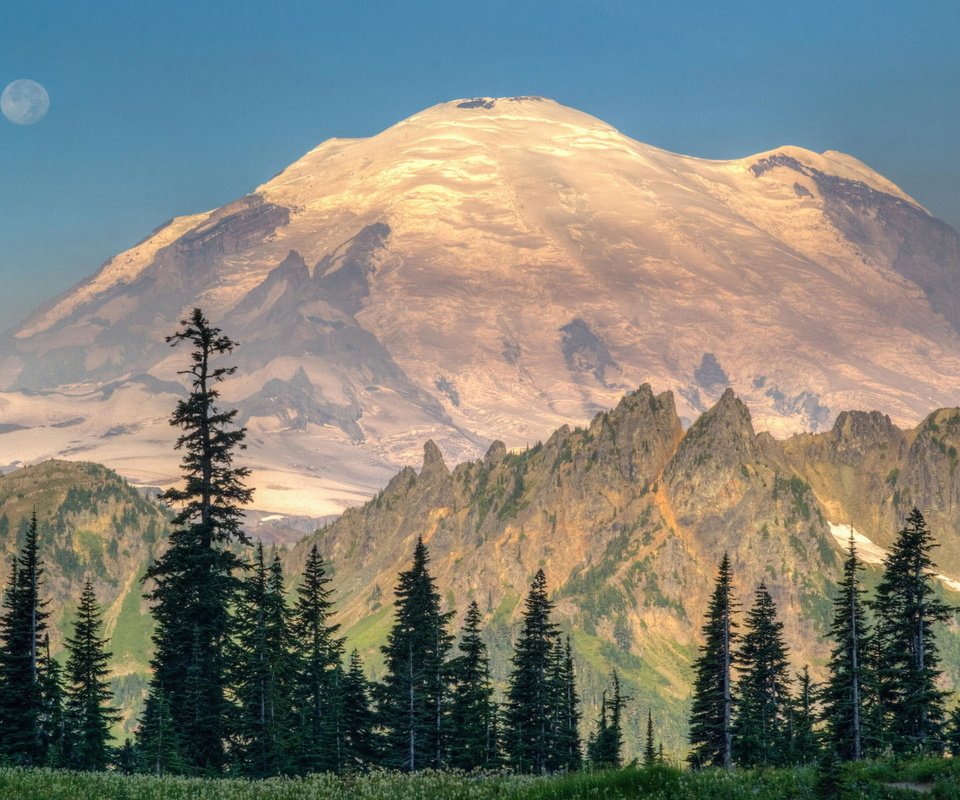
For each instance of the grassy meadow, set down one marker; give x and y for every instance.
(934, 778)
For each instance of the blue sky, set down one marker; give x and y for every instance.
(167, 108)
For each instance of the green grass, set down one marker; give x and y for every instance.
(868, 781)
(130, 639)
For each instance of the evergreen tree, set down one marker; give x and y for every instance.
(57, 739)
(194, 580)
(23, 627)
(359, 747)
(804, 740)
(649, 751)
(597, 743)
(261, 673)
(317, 681)
(761, 723)
(89, 714)
(907, 610)
(953, 732)
(125, 758)
(566, 753)
(845, 692)
(159, 745)
(471, 701)
(828, 783)
(606, 749)
(878, 698)
(528, 729)
(711, 716)
(414, 692)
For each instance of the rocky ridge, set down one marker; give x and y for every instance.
(629, 517)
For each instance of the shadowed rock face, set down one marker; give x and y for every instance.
(584, 352)
(151, 304)
(232, 229)
(920, 247)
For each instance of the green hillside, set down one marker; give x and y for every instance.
(91, 522)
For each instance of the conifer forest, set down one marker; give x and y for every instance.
(254, 691)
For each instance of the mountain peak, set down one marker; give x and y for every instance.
(433, 464)
(494, 269)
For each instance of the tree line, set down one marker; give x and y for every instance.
(244, 682)
(881, 695)
(247, 681)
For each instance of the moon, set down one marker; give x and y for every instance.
(24, 102)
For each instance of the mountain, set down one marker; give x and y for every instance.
(92, 523)
(630, 516)
(492, 269)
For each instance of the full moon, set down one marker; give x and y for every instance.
(24, 102)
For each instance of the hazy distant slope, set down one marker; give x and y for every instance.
(493, 269)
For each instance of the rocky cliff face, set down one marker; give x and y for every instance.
(629, 518)
(492, 270)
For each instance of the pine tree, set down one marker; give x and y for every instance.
(907, 611)
(711, 716)
(615, 706)
(471, 701)
(414, 692)
(57, 740)
(761, 723)
(804, 740)
(23, 627)
(89, 714)
(567, 754)
(261, 674)
(845, 692)
(953, 732)
(159, 745)
(318, 653)
(597, 744)
(649, 752)
(195, 580)
(527, 718)
(359, 748)
(125, 758)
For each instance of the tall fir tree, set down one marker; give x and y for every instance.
(649, 749)
(953, 732)
(845, 692)
(567, 753)
(472, 708)
(804, 737)
(762, 719)
(261, 674)
(23, 627)
(711, 716)
(597, 742)
(318, 677)
(159, 745)
(527, 720)
(53, 723)
(88, 711)
(195, 581)
(606, 746)
(907, 611)
(413, 697)
(359, 744)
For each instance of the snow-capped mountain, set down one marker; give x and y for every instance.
(493, 269)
